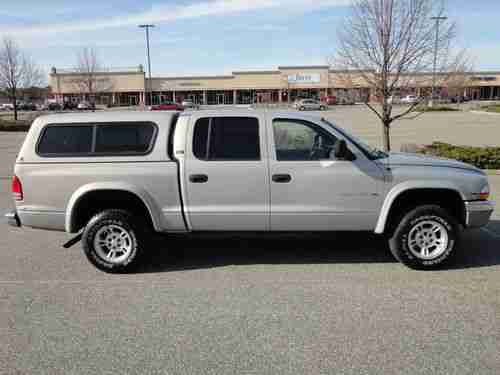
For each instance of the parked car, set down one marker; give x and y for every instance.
(329, 100)
(134, 174)
(84, 105)
(54, 106)
(346, 100)
(27, 107)
(188, 103)
(167, 106)
(309, 104)
(8, 106)
(69, 106)
(410, 99)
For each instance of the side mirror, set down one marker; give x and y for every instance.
(342, 152)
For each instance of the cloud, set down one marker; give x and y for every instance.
(169, 13)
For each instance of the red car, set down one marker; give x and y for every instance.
(167, 106)
(329, 100)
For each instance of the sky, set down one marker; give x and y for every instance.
(209, 37)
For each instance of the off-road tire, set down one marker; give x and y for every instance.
(137, 230)
(399, 240)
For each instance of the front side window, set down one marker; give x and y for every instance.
(226, 139)
(299, 140)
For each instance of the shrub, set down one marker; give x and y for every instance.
(425, 108)
(481, 157)
(491, 108)
(14, 126)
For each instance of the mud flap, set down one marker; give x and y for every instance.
(73, 241)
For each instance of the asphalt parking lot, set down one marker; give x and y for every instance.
(297, 304)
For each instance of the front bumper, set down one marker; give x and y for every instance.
(13, 219)
(478, 213)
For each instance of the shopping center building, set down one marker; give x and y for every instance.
(129, 87)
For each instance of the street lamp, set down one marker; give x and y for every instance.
(438, 20)
(147, 27)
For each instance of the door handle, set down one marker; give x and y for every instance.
(282, 178)
(198, 178)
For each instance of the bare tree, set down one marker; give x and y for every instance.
(458, 80)
(387, 43)
(89, 79)
(17, 71)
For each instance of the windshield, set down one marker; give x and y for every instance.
(371, 153)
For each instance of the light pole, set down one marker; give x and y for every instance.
(438, 20)
(147, 27)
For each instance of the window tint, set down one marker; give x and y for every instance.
(301, 140)
(200, 137)
(124, 138)
(227, 138)
(66, 140)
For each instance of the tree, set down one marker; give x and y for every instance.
(388, 43)
(17, 71)
(89, 79)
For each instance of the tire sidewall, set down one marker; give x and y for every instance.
(399, 242)
(104, 219)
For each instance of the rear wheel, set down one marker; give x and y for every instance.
(426, 238)
(322, 108)
(114, 241)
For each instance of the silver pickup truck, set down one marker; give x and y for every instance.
(114, 179)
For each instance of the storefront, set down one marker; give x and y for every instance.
(284, 85)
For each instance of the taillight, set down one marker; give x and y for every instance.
(485, 193)
(17, 189)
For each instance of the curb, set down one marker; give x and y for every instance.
(492, 172)
(485, 113)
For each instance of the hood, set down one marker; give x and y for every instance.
(406, 159)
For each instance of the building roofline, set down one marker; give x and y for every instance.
(192, 78)
(305, 67)
(351, 71)
(257, 72)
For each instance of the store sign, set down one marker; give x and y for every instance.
(190, 84)
(304, 78)
(484, 78)
(167, 85)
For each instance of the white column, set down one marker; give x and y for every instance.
(235, 97)
(173, 96)
(204, 97)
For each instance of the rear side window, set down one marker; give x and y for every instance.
(117, 138)
(227, 138)
(68, 140)
(124, 138)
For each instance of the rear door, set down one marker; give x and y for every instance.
(226, 177)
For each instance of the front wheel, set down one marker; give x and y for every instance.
(426, 238)
(114, 241)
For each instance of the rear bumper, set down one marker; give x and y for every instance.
(478, 213)
(13, 219)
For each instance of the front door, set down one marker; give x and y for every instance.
(226, 176)
(310, 190)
